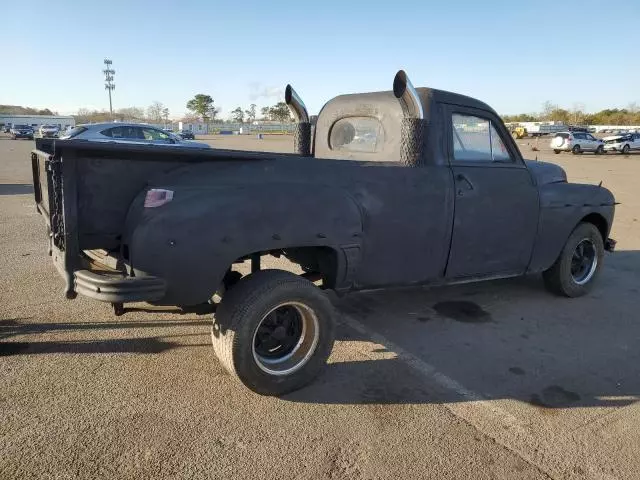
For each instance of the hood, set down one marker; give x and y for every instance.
(613, 137)
(546, 173)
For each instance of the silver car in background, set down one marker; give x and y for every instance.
(134, 133)
(576, 143)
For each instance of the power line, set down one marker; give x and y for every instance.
(108, 79)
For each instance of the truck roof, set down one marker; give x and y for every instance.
(382, 115)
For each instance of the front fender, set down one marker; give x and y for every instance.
(562, 207)
(193, 240)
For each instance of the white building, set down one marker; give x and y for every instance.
(36, 120)
(197, 127)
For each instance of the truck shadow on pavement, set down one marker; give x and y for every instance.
(507, 339)
(15, 189)
(156, 344)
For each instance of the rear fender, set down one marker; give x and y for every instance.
(193, 240)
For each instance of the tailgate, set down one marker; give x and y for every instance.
(47, 189)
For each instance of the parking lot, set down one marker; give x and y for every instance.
(491, 380)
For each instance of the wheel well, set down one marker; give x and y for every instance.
(316, 260)
(317, 263)
(600, 222)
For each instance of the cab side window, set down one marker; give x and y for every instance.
(476, 139)
(123, 132)
(153, 134)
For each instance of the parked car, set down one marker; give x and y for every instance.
(21, 131)
(49, 131)
(187, 135)
(622, 143)
(6, 128)
(128, 133)
(576, 143)
(435, 191)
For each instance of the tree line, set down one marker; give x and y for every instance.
(18, 110)
(577, 116)
(203, 106)
(154, 113)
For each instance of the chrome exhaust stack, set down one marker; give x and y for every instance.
(413, 130)
(302, 133)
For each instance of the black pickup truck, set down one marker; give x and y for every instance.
(403, 187)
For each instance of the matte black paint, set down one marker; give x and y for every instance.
(386, 222)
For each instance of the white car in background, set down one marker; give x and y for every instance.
(622, 143)
(576, 143)
(48, 131)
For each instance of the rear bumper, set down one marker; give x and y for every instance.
(114, 287)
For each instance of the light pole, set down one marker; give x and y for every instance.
(108, 79)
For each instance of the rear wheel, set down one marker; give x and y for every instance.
(274, 331)
(579, 263)
(576, 150)
(557, 151)
(599, 150)
(625, 150)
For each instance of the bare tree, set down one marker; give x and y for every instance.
(251, 113)
(155, 111)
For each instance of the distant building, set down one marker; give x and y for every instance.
(36, 120)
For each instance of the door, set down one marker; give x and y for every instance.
(593, 141)
(496, 199)
(580, 140)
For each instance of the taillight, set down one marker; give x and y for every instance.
(156, 197)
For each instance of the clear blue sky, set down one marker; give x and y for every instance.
(513, 55)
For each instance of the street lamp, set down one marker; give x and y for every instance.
(108, 79)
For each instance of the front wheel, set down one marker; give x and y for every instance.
(274, 331)
(579, 263)
(625, 150)
(599, 150)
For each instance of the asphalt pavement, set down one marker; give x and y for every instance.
(478, 381)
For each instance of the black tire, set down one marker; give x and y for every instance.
(576, 150)
(557, 151)
(600, 150)
(559, 278)
(625, 150)
(248, 306)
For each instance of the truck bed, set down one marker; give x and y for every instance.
(84, 191)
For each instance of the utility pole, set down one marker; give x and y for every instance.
(108, 79)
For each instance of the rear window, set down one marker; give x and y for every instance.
(73, 133)
(357, 134)
(563, 135)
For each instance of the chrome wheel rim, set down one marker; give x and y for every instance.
(584, 262)
(286, 338)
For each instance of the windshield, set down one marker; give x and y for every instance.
(21, 126)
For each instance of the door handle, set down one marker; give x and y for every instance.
(460, 177)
